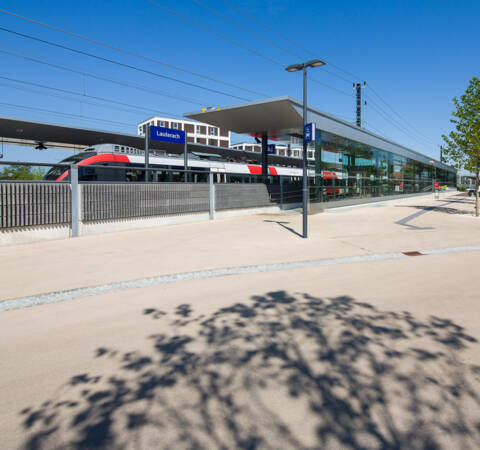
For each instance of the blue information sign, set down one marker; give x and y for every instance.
(309, 132)
(270, 149)
(167, 135)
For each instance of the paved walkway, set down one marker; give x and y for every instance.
(399, 226)
(374, 352)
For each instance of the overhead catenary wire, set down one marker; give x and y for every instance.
(221, 36)
(398, 126)
(387, 116)
(34, 58)
(352, 76)
(69, 115)
(132, 53)
(291, 41)
(84, 95)
(118, 63)
(244, 47)
(64, 97)
(136, 54)
(397, 114)
(243, 27)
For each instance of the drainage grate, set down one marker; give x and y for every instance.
(415, 253)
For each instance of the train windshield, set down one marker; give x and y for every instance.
(55, 172)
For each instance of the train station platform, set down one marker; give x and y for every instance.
(394, 226)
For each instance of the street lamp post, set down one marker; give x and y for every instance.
(296, 68)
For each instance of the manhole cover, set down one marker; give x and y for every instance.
(415, 253)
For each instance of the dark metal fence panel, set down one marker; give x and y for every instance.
(27, 204)
(116, 201)
(229, 196)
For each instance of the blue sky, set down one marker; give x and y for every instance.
(415, 55)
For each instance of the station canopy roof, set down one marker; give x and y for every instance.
(31, 134)
(282, 118)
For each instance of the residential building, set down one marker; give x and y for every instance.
(197, 132)
(293, 149)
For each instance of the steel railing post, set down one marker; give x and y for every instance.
(211, 185)
(75, 200)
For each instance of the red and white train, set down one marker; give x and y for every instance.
(130, 162)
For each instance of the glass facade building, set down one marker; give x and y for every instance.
(346, 164)
(346, 169)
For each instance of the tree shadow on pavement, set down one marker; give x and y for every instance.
(278, 371)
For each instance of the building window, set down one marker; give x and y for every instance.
(160, 123)
(197, 129)
(175, 125)
(211, 131)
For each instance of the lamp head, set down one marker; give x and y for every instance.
(315, 63)
(294, 68)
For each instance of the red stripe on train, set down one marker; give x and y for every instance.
(96, 159)
(257, 170)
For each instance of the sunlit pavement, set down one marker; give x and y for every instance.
(367, 354)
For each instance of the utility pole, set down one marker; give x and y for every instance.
(358, 87)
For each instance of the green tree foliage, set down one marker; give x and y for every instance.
(462, 145)
(21, 173)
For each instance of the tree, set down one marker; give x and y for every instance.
(462, 145)
(21, 173)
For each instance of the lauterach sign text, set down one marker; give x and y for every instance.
(167, 135)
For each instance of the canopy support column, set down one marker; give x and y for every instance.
(264, 154)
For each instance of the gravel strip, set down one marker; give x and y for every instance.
(441, 251)
(72, 294)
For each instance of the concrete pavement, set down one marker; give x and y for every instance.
(42, 267)
(370, 355)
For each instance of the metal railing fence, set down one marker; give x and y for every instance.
(28, 204)
(73, 201)
(122, 200)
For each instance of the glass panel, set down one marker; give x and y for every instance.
(342, 169)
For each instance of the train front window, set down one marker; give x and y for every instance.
(56, 171)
